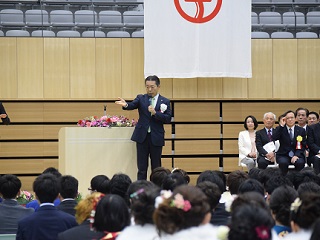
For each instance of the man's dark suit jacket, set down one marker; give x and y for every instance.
(141, 102)
(46, 223)
(314, 139)
(80, 232)
(281, 134)
(3, 111)
(68, 206)
(262, 139)
(10, 214)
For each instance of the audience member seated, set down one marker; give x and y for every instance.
(68, 193)
(83, 212)
(35, 203)
(251, 185)
(137, 185)
(184, 214)
(158, 175)
(314, 146)
(292, 140)
(10, 211)
(275, 182)
(316, 230)
(235, 179)
(119, 184)
(99, 183)
(280, 203)
(173, 180)
(313, 118)
(308, 187)
(305, 175)
(263, 137)
(255, 173)
(111, 216)
(47, 222)
(304, 213)
(142, 209)
(247, 144)
(183, 173)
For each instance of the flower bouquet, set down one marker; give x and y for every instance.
(106, 121)
(25, 197)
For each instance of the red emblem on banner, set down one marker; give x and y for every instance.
(199, 15)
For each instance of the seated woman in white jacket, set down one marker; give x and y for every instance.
(247, 144)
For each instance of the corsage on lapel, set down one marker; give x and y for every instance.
(163, 107)
(299, 140)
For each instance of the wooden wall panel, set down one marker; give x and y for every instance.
(132, 71)
(197, 147)
(209, 88)
(26, 166)
(185, 88)
(25, 111)
(231, 146)
(108, 68)
(197, 131)
(22, 149)
(232, 130)
(30, 67)
(285, 68)
(27, 183)
(82, 68)
(8, 69)
(167, 148)
(308, 68)
(196, 111)
(11, 132)
(166, 87)
(56, 68)
(197, 164)
(260, 85)
(231, 164)
(235, 88)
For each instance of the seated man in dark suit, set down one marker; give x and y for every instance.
(263, 137)
(10, 211)
(292, 140)
(3, 115)
(314, 146)
(68, 193)
(47, 222)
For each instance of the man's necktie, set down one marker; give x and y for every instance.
(291, 134)
(151, 101)
(269, 135)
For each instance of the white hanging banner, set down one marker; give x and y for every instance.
(197, 38)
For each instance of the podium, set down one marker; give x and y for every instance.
(87, 152)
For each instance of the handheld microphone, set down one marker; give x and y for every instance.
(150, 101)
(105, 110)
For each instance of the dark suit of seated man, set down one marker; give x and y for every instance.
(263, 137)
(314, 146)
(68, 193)
(47, 222)
(3, 115)
(292, 143)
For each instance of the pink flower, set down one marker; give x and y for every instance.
(262, 232)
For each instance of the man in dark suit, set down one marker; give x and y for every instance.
(314, 146)
(10, 211)
(263, 137)
(154, 111)
(3, 115)
(292, 140)
(47, 222)
(68, 193)
(302, 120)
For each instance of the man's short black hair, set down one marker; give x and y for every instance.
(9, 186)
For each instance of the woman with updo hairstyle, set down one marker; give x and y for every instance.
(280, 203)
(304, 213)
(250, 222)
(184, 214)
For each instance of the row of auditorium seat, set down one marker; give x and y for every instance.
(65, 18)
(286, 20)
(72, 33)
(283, 35)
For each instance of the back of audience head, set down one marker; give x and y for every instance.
(235, 179)
(254, 173)
(316, 230)
(10, 186)
(305, 211)
(268, 173)
(183, 173)
(280, 203)
(171, 217)
(276, 182)
(251, 185)
(137, 185)
(53, 171)
(99, 183)
(213, 177)
(68, 186)
(248, 198)
(212, 191)
(46, 188)
(305, 175)
(143, 204)
(111, 214)
(85, 206)
(158, 174)
(173, 180)
(308, 187)
(119, 184)
(251, 223)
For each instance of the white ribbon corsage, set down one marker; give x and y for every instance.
(163, 107)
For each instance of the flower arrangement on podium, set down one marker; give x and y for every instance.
(106, 121)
